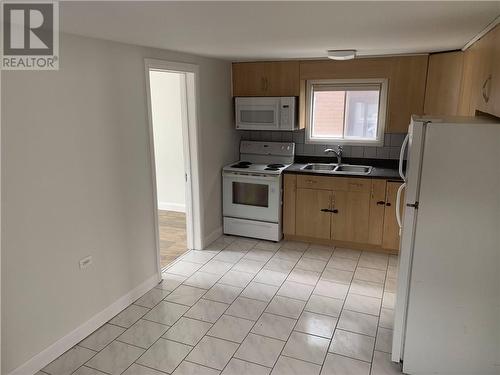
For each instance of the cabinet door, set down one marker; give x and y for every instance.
(390, 239)
(358, 215)
(444, 79)
(406, 91)
(289, 199)
(340, 229)
(477, 86)
(495, 84)
(310, 220)
(280, 78)
(377, 210)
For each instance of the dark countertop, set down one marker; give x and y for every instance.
(384, 169)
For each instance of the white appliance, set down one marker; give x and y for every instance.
(252, 190)
(447, 313)
(266, 113)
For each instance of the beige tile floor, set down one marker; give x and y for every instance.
(252, 307)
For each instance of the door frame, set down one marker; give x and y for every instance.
(190, 131)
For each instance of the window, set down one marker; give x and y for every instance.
(346, 111)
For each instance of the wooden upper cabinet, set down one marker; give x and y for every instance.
(495, 84)
(278, 78)
(406, 91)
(406, 75)
(349, 69)
(444, 80)
(481, 76)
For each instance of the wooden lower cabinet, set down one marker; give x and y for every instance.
(390, 239)
(289, 203)
(342, 210)
(340, 225)
(310, 220)
(357, 216)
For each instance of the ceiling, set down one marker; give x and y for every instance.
(282, 29)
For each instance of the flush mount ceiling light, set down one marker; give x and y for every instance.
(341, 54)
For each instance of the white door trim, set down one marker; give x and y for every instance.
(190, 139)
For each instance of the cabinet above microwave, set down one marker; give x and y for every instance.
(266, 113)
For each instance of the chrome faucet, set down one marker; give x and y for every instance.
(337, 153)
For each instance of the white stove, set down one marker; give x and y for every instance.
(252, 190)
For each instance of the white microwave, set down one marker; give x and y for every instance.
(266, 113)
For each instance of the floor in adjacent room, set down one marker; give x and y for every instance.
(252, 307)
(172, 236)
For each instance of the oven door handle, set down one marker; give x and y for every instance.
(241, 176)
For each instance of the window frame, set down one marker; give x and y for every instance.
(347, 83)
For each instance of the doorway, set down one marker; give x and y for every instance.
(171, 90)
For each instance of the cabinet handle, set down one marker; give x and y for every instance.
(486, 94)
(263, 84)
(388, 204)
(335, 211)
(266, 84)
(310, 182)
(381, 203)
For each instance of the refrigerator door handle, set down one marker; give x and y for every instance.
(398, 206)
(402, 155)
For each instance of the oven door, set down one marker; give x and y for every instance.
(257, 113)
(252, 197)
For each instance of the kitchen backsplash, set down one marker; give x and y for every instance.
(390, 149)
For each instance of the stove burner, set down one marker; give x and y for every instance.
(275, 166)
(271, 169)
(241, 164)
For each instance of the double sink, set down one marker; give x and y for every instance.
(338, 168)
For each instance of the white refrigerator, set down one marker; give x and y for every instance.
(447, 313)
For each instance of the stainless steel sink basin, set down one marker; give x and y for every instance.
(332, 168)
(320, 167)
(353, 169)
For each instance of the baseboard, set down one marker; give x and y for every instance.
(207, 240)
(46, 356)
(177, 207)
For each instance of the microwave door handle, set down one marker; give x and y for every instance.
(402, 155)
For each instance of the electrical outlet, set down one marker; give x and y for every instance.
(85, 262)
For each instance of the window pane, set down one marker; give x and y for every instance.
(361, 114)
(251, 194)
(328, 115)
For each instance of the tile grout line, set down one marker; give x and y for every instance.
(342, 309)
(135, 361)
(258, 318)
(264, 263)
(183, 315)
(378, 320)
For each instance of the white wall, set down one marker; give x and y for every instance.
(76, 182)
(166, 104)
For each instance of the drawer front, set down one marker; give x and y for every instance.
(313, 182)
(321, 182)
(359, 184)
